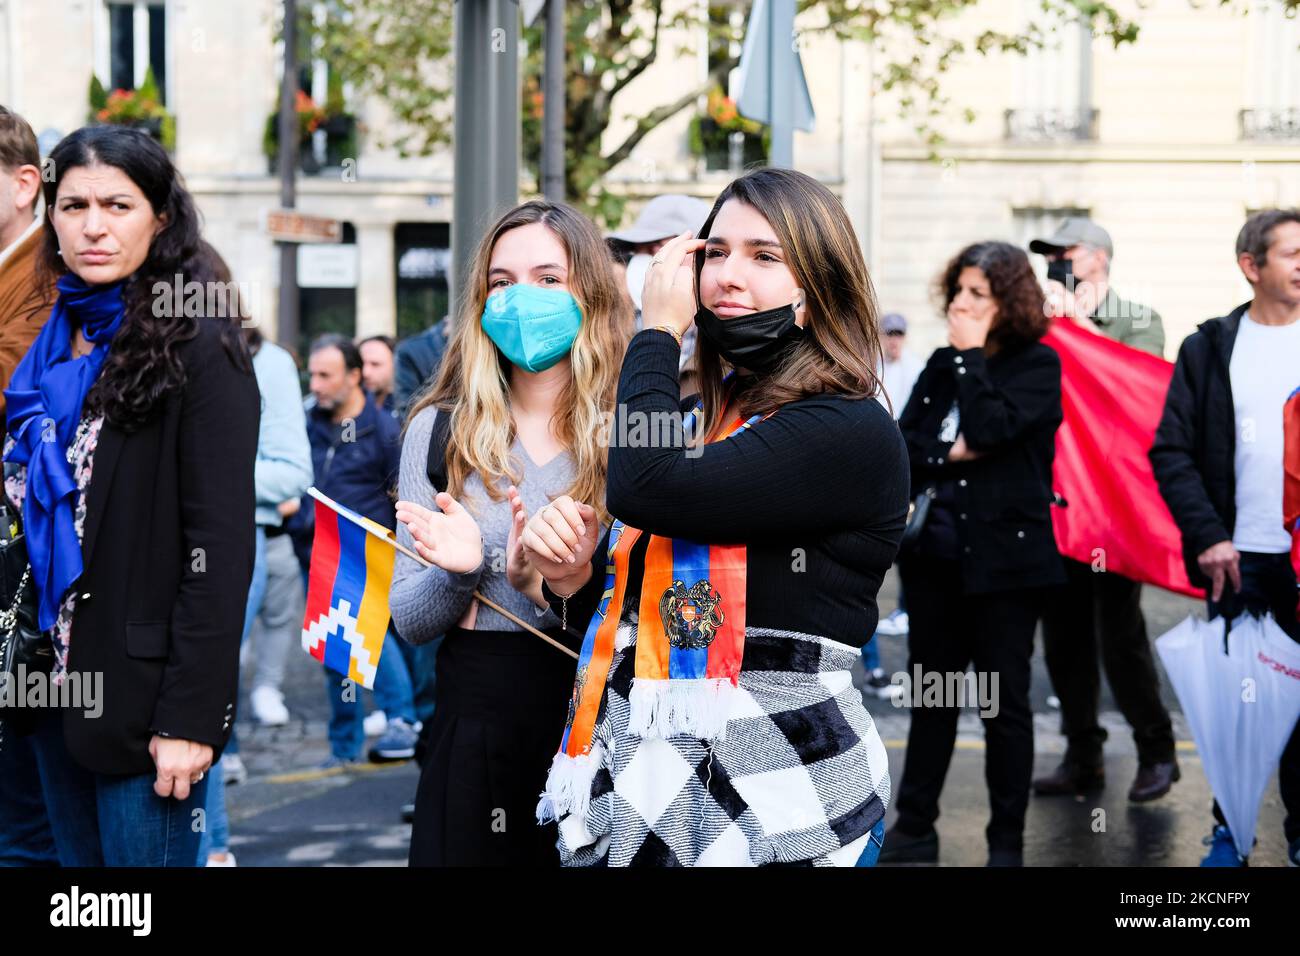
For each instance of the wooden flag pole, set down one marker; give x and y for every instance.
(494, 606)
(391, 538)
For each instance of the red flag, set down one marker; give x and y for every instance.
(1113, 396)
(1291, 478)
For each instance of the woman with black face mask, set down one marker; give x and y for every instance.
(754, 523)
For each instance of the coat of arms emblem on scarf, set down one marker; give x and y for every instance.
(691, 616)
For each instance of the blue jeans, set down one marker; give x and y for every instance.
(875, 842)
(257, 587)
(871, 655)
(215, 837)
(393, 695)
(25, 837)
(106, 820)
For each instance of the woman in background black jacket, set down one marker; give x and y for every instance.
(980, 429)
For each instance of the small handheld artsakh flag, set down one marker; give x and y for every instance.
(347, 593)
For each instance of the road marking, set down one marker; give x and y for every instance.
(307, 776)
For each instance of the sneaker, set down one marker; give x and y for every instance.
(879, 684)
(268, 706)
(375, 724)
(228, 859)
(397, 743)
(1223, 852)
(893, 624)
(1293, 853)
(408, 813)
(233, 768)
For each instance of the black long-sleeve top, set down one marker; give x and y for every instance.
(818, 492)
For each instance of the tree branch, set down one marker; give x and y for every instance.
(657, 116)
(644, 62)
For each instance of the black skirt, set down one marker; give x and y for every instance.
(502, 698)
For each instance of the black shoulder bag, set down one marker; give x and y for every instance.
(23, 645)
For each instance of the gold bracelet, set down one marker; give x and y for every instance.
(671, 331)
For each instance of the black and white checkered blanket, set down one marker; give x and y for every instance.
(801, 773)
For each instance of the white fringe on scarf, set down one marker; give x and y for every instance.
(568, 784)
(664, 708)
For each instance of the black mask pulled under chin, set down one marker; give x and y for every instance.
(757, 341)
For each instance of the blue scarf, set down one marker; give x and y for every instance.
(44, 401)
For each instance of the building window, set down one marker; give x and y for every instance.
(327, 289)
(1054, 86)
(719, 135)
(334, 140)
(1272, 74)
(135, 40)
(423, 259)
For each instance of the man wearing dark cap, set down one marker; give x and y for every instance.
(1089, 300)
(662, 218)
(1101, 608)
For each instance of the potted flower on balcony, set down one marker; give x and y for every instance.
(339, 126)
(140, 109)
(710, 134)
(310, 116)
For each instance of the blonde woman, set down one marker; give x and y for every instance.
(714, 720)
(515, 419)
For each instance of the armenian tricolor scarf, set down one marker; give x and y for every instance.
(690, 638)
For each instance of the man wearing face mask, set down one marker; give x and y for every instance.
(1103, 609)
(662, 219)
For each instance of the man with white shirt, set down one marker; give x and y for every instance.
(25, 301)
(1218, 457)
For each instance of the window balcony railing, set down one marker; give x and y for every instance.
(1051, 126)
(1269, 125)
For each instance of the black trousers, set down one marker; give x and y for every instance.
(1268, 585)
(1095, 609)
(947, 632)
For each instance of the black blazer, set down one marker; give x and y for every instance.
(1010, 408)
(168, 549)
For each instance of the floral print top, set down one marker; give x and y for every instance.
(81, 455)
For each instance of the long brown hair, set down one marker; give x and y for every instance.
(840, 349)
(473, 384)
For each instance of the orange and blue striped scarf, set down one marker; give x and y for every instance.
(690, 638)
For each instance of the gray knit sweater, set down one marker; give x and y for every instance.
(426, 602)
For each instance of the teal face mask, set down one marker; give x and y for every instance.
(533, 327)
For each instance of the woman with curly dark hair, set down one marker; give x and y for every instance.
(133, 426)
(979, 553)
